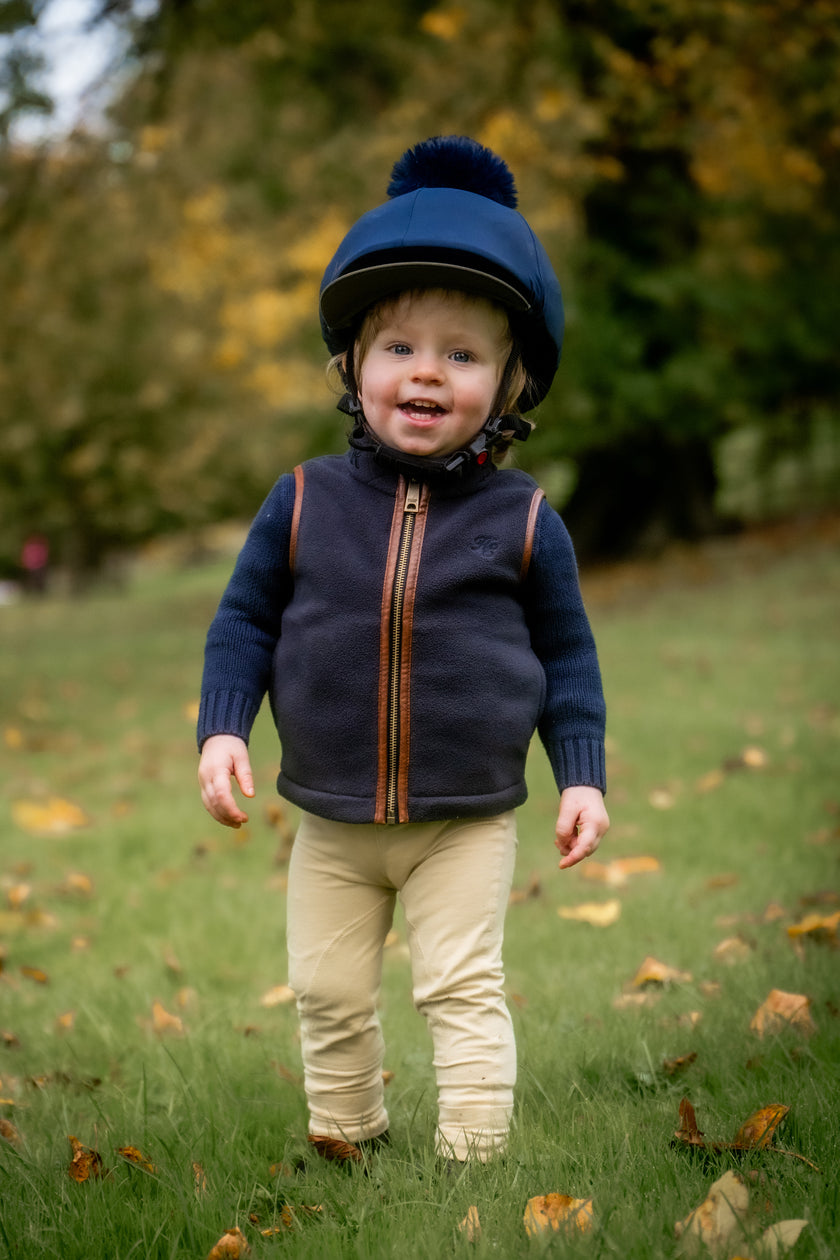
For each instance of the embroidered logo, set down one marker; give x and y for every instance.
(486, 545)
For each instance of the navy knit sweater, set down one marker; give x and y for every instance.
(410, 637)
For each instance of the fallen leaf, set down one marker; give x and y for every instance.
(9, 1039)
(717, 1221)
(757, 1132)
(733, 949)
(555, 1212)
(625, 1001)
(688, 1131)
(132, 1156)
(727, 880)
(596, 913)
(65, 1021)
(616, 873)
(231, 1246)
(654, 972)
(780, 1238)
(773, 911)
(163, 1022)
(817, 927)
(661, 798)
(8, 1132)
(782, 1010)
(171, 962)
(76, 884)
(86, 1162)
(36, 974)
(280, 995)
(199, 1179)
(530, 892)
(710, 781)
(54, 817)
(671, 1067)
(17, 895)
(281, 1170)
(470, 1226)
(754, 1134)
(754, 758)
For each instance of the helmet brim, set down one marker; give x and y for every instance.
(344, 299)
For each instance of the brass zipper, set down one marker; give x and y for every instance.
(410, 510)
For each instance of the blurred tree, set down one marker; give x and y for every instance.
(20, 66)
(160, 360)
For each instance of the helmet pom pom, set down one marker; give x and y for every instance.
(454, 162)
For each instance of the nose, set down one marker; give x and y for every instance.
(426, 366)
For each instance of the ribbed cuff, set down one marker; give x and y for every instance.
(579, 763)
(226, 713)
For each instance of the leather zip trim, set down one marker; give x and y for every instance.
(530, 530)
(293, 537)
(385, 651)
(409, 597)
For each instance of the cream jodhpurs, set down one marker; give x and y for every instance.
(453, 880)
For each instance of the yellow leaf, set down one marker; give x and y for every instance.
(76, 882)
(36, 974)
(617, 872)
(654, 972)
(133, 1156)
(200, 1180)
(54, 817)
(470, 1226)
(231, 1246)
(278, 996)
(758, 1131)
(13, 737)
(732, 950)
(86, 1162)
(717, 1221)
(17, 895)
(818, 927)
(8, 1132)
(662, 798)
(555, 1212)
(754, 758)
(596, 913)
(64, 1022)
(445, 24)
(782, 1010)
(163, 1022)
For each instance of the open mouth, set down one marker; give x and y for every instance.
(417, 409)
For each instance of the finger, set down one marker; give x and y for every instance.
(582, 846)
(220, 803)
(244, 777)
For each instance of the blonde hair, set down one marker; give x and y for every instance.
(376, 316)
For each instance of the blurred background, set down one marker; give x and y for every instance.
(175, 175)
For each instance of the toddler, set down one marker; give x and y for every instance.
(413, 612)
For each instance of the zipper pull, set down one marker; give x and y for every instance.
(412, 497)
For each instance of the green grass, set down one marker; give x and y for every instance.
(703, 656)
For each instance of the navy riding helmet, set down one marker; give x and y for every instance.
(450, 222)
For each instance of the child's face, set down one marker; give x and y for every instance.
(429, 378)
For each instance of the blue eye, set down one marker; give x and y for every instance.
(461, 356)
(400, 348)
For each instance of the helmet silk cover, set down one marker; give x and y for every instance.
(450, 237)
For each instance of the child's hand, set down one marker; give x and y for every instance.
(224, 756)
(581, 823)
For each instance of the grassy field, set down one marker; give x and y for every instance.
(140, 943)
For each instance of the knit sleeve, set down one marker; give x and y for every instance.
(243, 635)
(573, 719)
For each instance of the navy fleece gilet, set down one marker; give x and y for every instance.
(497, 645)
